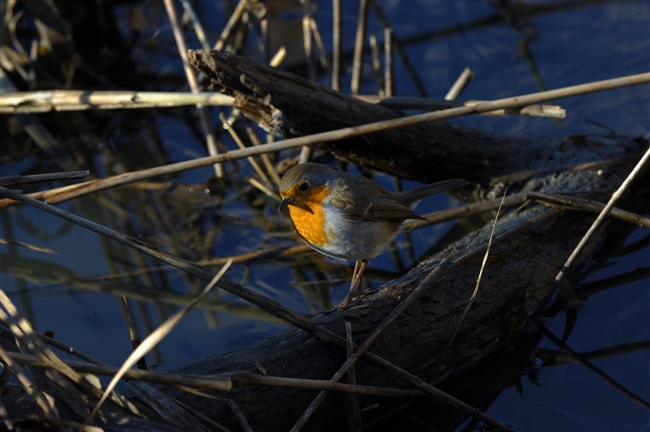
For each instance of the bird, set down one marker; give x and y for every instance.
(347, 216)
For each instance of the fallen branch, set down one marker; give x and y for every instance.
(410, 147)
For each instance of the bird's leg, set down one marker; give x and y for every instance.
(359, 267)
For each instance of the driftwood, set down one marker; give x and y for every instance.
(288, 105)
(531, 247)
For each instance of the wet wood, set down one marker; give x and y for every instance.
(532, 245)
(288, 105)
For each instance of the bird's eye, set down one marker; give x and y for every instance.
(304, 187)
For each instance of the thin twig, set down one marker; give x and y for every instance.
(279, 57)
(306, 40)
(406, 62)
(305, 152)
(354, 414)
(522, 198)
(222, 382)
(196, 23)
(268, 192)
(153, 339)
(388, 61)
(73, 100)
(37, 178)
(376, 64)
(232, 22)
(360, 38)
(25, 380)
(478, 279)
(68, 192)
(322, 52)
(133, 333)
(240, 144)
(217, 382)
(236, 412)
(261, 301)
(429, 104)
(461, 83)
(592, 229)
(337, 35)
(270, 169)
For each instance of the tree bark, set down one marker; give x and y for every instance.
(530, 247)
(289, 106)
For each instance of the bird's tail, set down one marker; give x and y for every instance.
(413, 196)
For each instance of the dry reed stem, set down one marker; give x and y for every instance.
(322, 52)
(28, 246)
(306, 40)
(268, 192)
(406, 62)
(428, 104)
(190, 73)
(222, 382)
(133, 332)
(24, 378)
(232, 22)
(305, 152)
(31, 342)
(478, 278)
(270, 252)
(592, 229)
(460, 85)
(337, 41)
(376, 64)
(279, 57)
(270, 169)
(69, 192)
(519, 199)
(260, 301)
(36, 178)
(153, 339)
(73, 100)
(196, 24)
(217, 382)
(388, 62)
(170, 410)
(233, 134)
(357, 61)
(234, 409)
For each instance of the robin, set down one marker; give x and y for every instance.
(346, 216)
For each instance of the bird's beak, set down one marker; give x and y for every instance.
(285, 202)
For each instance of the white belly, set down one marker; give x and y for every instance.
(357, 240)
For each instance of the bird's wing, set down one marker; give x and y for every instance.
(387, 208)
(360, 199)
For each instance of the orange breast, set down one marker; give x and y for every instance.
(310, 224)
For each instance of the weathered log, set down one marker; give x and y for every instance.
(532, 246)
(288, 105)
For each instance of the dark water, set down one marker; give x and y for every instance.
(72, 294)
